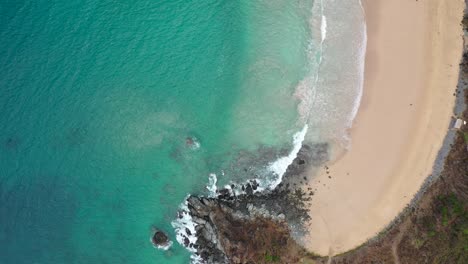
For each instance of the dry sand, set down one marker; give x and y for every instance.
(414, 48)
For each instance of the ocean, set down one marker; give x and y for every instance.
(112, 112)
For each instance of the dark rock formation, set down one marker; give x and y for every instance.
(253, 226)
(235, 231)
(160, 239)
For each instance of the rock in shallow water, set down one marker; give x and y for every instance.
(161, 240)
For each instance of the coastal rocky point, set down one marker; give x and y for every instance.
(254, 227)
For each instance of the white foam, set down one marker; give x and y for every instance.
(212, 188)
(195, 144)
(261, 186)
(165, 247)
(181, 224)
(334, 105)
(280, 166)
(362, 63)
(185, 220)
(323, 28)
(306, 91)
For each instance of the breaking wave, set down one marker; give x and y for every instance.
(330, 95)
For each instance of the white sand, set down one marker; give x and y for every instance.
(414, 48)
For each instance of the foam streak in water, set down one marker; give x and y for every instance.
(306, 91)
(183, 223)
(332, 91)
(212, 188)
(166, 247)
(323, 28)
(362, 61)
(280, 166)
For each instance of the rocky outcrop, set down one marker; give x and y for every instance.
(241, 231)
(160, 240)
(254, 226)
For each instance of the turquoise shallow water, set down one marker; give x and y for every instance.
(97, 99)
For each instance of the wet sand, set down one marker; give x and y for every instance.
(413, 52)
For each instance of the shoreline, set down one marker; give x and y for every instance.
(405, 105)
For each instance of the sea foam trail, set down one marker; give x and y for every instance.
(323, 28)
(306, 91)
(330, 95)
(277, 168)
(183, 223)
(280, 166)
(361, 62)
(361, 67)
(166, 247)
(212, 188)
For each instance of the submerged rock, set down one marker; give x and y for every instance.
(192, 143)
(161, 240)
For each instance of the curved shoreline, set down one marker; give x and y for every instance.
(400, 125)
(362, 204)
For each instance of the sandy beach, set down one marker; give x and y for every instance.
(414, 48)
